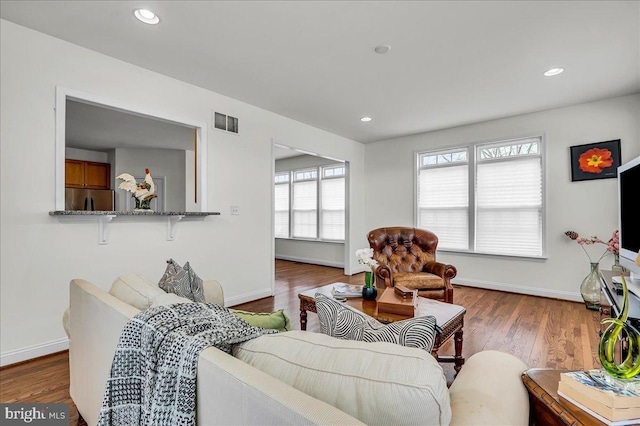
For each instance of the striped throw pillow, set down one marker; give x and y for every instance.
(344, 322)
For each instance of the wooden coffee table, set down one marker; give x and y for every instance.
(449, 317)
(546, 407)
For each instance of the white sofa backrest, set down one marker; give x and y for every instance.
(229, 390)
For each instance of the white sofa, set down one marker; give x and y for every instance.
(300, 377)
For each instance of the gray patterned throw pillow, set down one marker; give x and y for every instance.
(182, 281)
(343, 322)
(197, 287)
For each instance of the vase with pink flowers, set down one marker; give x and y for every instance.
(614, 247)
(590, 287)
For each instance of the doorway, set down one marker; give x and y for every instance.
(308, 226)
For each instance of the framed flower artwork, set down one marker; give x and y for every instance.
(598, 160)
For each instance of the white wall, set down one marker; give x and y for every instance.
(317, 252)
(40, 254)
(587, 207)
(169, 163)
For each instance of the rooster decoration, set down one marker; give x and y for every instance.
(143, 192)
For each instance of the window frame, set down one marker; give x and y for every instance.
(319, 177)
(472, 161)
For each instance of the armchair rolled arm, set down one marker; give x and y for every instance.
(384, 276)
(442, 270)
(447, 272)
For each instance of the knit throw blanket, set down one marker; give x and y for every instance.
(153, 375)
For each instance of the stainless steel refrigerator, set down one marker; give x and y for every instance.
(88, 199)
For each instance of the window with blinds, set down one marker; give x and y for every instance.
(332, 203)
(499, 210)
(310, 203)
(304, 216)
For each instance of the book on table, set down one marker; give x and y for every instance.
(622, 421)
(613, 400)
(609, 413)
(346, 290)
(606, 390)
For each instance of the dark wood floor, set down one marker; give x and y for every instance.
(542, 332)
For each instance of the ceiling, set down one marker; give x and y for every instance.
(451, 63)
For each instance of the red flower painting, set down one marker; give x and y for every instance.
(595, 160)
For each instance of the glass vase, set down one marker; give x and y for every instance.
(622, 333)
(590, 288)
(369, 290)
(616, 267)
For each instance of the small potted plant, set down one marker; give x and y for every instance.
(365, 257)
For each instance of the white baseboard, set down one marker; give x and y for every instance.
(18, 355)
(320, 262)
(532, 291)
(247, 297)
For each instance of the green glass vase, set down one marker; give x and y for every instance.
(620, 332)
(616, 267)
(590, 288)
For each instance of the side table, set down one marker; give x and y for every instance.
(546, 407)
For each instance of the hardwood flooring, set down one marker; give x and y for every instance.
(42, 380)
(542, 332)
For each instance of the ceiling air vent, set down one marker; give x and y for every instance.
(225, 122)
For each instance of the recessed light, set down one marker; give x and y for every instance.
(146, 16)
(382, 48)
(365, 119)
(553, 71)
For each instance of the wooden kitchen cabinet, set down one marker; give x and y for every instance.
(87, 174)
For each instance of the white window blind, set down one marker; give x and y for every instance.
(443, 198)
(333, 208)
(281, 217)
(502, 212)
(509, 207)
(305, 209)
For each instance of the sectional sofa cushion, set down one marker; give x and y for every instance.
(136, 290)
(277, 320)
(168, 299)
(378, 383)
(344, 322)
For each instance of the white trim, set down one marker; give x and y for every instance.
(510, 288)
(64, 93)
(30, 352)
(272, 208)
(248, 297)
(311, 261)
(347, 219)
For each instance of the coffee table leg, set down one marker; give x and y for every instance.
(459, 359)
(303, 319)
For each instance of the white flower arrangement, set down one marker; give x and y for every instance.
(365, 257)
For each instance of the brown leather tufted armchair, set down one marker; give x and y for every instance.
(407, 257)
